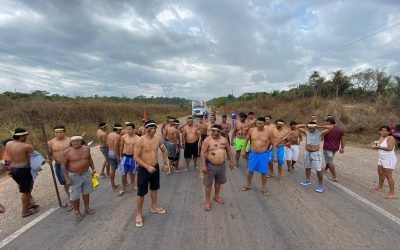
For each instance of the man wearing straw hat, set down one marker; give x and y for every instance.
(113, 141)
(102, 139)
(19, 152)
(57, 145)
(77, 176)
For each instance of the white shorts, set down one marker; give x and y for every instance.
(313, 158)
(292, 153)
(387, 161)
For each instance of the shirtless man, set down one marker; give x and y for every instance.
(19, 152)
(314, 118)
(213, 152)
(191, 142)
(166, 127)
(113, 141)
(202, 126)
(226, 128)
(239, 135)
(279, 134)
(213, 119)
(251, 119)
(57, 146)
(127, 164)
(165, 123)
(173, 143)
(148, 171)
(292, 146)
(141, 131)
(312, 152)
(260, 138)
(102, 139)
(77, 175)
(124, 131)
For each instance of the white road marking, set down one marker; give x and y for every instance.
(26, 227)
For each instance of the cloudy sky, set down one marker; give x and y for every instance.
(192, 49)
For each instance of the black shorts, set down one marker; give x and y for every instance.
(144, 178)
(191, 149)
(23, 177)
(203, 137)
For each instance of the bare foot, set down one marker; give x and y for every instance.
(78, 216)
(390, 196)
(377, 188)
(2, 209)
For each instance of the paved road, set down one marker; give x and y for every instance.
(293, 217)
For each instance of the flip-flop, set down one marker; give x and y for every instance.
(178, 171)
(34, 206)
(159, 210)
(270, 175)
(30, 212)
(139, 222)
(265, 193)
(245, 188)
(121, 193)
(115, 187)
(207, 206)
(69, 208)
(376, 188)
(91, 212)
(390, 196)
(333, 179)
(218, 200)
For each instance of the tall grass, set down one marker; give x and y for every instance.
(79, 116)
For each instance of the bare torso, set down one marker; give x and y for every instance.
(113, 141)
(19, 153)
(58, 146)
(172, 135)
(216, 149)
(203, 128)
(294, 137)
(147, 149)
(128, 142)
(209, 125)
(78, 159)
(191, 134)
(279, 134)
(226, 127)
(260, 139)
(101, 137)
(242, 129)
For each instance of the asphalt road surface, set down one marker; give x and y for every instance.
(293, 217)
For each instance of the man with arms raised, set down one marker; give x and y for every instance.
(102, 139)
(292, 146)
(312, 155)
(113, 141)
(226, 128)
(239, 134)
(19, 152)
(57, 146)
(260, 138)
(148, 171)
(191, 142)
(77, 175)
(127, 164)
(213, 152)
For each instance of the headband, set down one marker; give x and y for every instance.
(76, 137)
(59, 130)
(105, 125)
(21, 133)
(216, 129)
(151, 124)
(118, 128)
(126, 123)
(280, 123)
(311, 125)
(176, 123)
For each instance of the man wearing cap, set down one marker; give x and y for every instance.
(56, 147)
(213, 152)
(292, 146)
(77, 176)
(312, 155)
(280, 133)
(148, 171)
(239, 134)
(19, 152)
(333, 142)
(127, 164)
(113, 141)
(191, 142)
(226, 128)
(102, 139)
(173, 143)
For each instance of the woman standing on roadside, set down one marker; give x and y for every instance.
(386, 160)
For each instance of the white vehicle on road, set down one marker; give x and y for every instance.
(198, 107)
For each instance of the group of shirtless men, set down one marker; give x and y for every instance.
(136, 152)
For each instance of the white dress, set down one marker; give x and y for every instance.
(386, 159)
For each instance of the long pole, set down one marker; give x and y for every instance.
(51, 164)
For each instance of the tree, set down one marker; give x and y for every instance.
(316, 81)
(341, 82)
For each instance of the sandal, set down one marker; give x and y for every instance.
(333, 179)
(390, 196)
(207, 206)
(270, 175)
(245, 188)
(265, 193)
(377, 188)
(78, 216)
(90, 212)
(30, 212)
(218, 200)
(69, 207)
(121, 192)
(159, 210)
(139, 222)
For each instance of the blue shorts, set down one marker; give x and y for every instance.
(258, 162)
(280, 151)
(112, 158)
(127, 165)
(60, 176)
